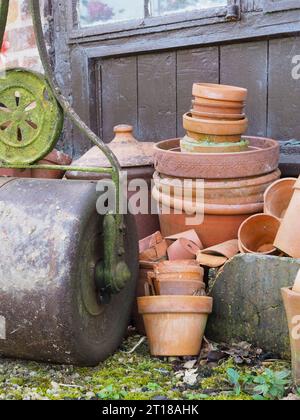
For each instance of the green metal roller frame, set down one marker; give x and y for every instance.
(112, 274)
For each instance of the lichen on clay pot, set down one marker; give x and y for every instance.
(192, 146)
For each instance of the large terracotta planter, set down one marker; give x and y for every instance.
(288, 237)
(175, 325)
(220, 92)
(278, 197)
(214, 126)
(257, 234)
(262, 158)
(291, 301)
(189, 145)
(227, 191)
(217, 107)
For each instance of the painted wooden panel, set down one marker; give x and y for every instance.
(194, 65)
(284, 89)
(246, 65)
(118, 94)
(157, 96)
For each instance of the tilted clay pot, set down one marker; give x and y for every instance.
(216, 116)
(175, 325)
(278, 197)
(288, 237)
(153, 248)
(54, 158)
(217, 107)
(214, 126)
(211, 138)
(227, 191)
(220, 92)
(257, 234)
(262, 158)
(216, 256)
(192, 146)
(183, 249)
(292, 306)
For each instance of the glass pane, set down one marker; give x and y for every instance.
(95, 12)
(164, 7)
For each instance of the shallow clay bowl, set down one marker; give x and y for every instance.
(261, 158)
(214, 126)
(211, 138)
(216, 116)
(219, 92)
(217, 107)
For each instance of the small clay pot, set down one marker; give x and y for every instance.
(214, 126)
(215, 116)
(220, 92)
(54, 158)
(183, 249)
(291, 301)
(211, 138)
(179, 287)
(192, 146)
(262, 158)
(179, 267)
(288, 237)
(175, 325)
(278, 197)
(257, 234)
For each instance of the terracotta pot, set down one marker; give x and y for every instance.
(220, 92)
(218, 255)
(16, 173)
(183, 249)
(153, 248)
(214, 126)
(291, 301)
(180, 267)
(257, 234)
(262, 158)
(192, 146)
(54, 158)
(179, 287)
(145, 268)
(211, 106)
(210, 138)
(175, 325)
(227, 191)
(288, 237)
(190, 235)
(278, 197)
(214, 230)
(216, 116)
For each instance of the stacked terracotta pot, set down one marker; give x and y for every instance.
(172, 299)
(234, 181)
(216, 121)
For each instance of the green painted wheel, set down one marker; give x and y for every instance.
(31, 119)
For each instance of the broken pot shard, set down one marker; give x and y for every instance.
(217, 256)
(183, 249)
(190, 235)
(153, 248)
(211, 261)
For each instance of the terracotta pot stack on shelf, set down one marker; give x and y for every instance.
(236, 170)
(216, 121)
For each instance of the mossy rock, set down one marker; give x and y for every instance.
(248, 304)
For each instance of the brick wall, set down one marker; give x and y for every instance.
(20, 35)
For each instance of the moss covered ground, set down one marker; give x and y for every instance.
(136, 376)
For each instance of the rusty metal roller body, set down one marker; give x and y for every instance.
(51, 243)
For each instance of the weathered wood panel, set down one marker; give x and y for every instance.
(284, 89)
(118, 94)
(246, 65)
(251, 5)
(194, 65)
(157, 96)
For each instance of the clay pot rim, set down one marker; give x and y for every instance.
(243, 248)
(273, 144)
(217, 116)
(290, 291)
(200, 147)
(213, 122)
(271, 187)
(175, 304)
(214, 103)
(211, 184)
(220, 92)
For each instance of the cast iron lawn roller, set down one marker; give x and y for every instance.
(67, 274)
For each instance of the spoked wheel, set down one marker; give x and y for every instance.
(31, 120)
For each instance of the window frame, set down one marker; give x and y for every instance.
(280, 5)
(145, 25)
